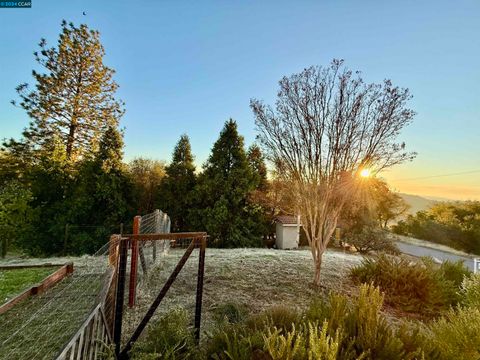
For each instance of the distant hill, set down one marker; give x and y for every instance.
(417, 203)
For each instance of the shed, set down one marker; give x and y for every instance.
(287, 231)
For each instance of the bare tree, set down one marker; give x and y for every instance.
(326, 127)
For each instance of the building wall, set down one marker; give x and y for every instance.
(287, 236)
(279, 238)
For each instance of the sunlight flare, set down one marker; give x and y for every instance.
(365, 173)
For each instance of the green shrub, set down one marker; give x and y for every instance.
(231, 313)
(371, 238)
(416, 341)
(169, 338)
(233, 342)
(454, 272)
(333, 311)
(311, 341)
(369, 334)
(417, 287)
(366, 333)
(470, 291)
(351, 330)
(281, 317)
(457, 335)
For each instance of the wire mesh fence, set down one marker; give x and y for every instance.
(40, 326)
(150, 252)
(173, 281)
(79, 317)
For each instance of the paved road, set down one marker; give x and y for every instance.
(416, 250)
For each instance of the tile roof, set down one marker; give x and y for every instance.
(286, 219)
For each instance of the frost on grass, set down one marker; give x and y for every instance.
(255, 278)
(41, 325)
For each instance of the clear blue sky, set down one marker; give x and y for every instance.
(187, 66)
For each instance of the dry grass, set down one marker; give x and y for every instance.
(254, 278)
(41, 325)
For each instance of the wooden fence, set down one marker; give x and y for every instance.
(39, 288)
(92, 340)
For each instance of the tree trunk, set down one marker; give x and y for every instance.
(71, 139)
(318, 267)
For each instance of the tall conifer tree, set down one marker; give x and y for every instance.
(73, 99)
(223, 191)
(176, 188)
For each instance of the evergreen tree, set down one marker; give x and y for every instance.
(223, 190)
(103, 195)
(15, 213)
(258, 215)
(73, 100)
(258, 166)
(176, 188)
(51, 186)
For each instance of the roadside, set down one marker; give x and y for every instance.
(419, 248)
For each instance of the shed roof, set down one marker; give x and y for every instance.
(286, 219)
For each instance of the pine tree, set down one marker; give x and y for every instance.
(223, 191)
(74, 99)
(258, 215)
(258, 166)
(176, 188)
(102, 195)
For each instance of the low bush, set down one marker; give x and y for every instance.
(280, 317)
(365, 331)
(454, 272)
(328, 329)
(169, 338)
(333, 328)
(416, 341)
(231, 313)
(456, 336)
(416, 287)
(470, 291)
(371, 238)
(310, 341)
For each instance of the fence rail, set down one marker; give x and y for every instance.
(92, 339)
(97, 334)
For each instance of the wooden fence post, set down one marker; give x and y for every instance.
(120, 293)
(132, 290)
(198, 300)
(113, 250)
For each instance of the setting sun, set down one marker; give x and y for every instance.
(365, 173)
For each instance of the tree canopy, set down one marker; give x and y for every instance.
(223, 190)
(73, 99)
(326, 126)
(175, 191)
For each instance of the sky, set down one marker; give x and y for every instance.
(188, 66)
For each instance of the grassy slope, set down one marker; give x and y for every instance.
(13, 282)
(255, 278)
(39, 326)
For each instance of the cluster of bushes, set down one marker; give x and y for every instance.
(371, 239)
(335, 328)
(455, 224)
(422, 288)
